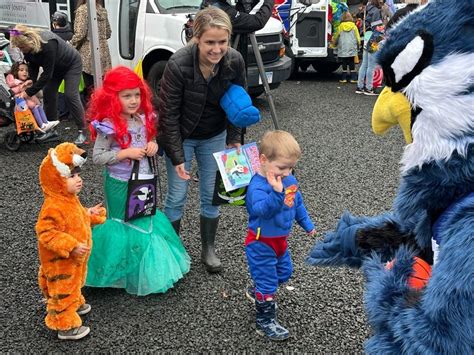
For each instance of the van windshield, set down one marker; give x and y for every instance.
(178, 4)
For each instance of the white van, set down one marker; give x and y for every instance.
(150, 31)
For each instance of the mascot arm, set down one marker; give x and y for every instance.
(355, 238)
(50, 230)
(438, 319)
(97, 218)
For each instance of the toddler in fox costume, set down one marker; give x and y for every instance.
(64, 240)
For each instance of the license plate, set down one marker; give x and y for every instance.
(269, 75)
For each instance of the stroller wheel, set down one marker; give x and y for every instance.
(27, 137)
(12, 141)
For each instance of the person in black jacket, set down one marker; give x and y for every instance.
(59, 61)
(61, 26)
(192, 122)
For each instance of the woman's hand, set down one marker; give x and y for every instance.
(28, 84)
(151, 148)
(234, 145)
(181, 171)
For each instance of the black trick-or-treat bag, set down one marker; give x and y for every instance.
(141, 194)
(222, 197)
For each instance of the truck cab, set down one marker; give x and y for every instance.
(148, 32)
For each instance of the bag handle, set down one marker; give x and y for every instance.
(136, 168)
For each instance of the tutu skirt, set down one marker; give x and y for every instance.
(142, 256)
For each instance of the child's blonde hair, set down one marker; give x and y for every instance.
(347, 17)
(26, 37)
(279, 144)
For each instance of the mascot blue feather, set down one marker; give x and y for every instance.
(428, 66)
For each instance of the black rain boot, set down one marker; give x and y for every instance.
(266, 322)
(176, 225)
(208, 236)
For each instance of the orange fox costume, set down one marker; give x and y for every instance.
(63, 224)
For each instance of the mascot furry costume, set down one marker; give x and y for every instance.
(63, 224)
(428, 63)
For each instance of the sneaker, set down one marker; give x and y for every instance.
(50, 125)
(250, 294)
(81, 139)
(74, 333)
(370, 92)
(359, 90)
(354, 81)
(343, 81)
(84, 309)
(49, 136)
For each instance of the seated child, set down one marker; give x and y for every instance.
(64, 240)
(273, 201)
(18, 82)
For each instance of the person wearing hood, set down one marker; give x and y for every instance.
(347, 40)
(61, 26)
(81, 40)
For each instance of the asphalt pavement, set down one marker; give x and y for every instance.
(344, 166)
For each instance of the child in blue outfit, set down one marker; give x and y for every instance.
(273, 202)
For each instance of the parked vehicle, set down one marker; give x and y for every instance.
(308, 34)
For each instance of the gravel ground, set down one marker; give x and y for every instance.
(344, 166)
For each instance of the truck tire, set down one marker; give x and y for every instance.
(325, 67)
(154, 77)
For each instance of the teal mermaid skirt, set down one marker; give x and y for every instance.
(142, 256)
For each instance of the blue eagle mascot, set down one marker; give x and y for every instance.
(428, 65)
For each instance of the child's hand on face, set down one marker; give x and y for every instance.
(96, 210)
(274, 181)
(151, 148)
(80, 250)
(312, 232)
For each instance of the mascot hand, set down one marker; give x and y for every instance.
(338, 247)
(387, 288)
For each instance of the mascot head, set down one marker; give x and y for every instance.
(61, 163)
(428, 65)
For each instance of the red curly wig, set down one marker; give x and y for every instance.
(105, 103)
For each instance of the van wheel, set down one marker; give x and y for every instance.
(325, 68)
(154, 77)
(12, 141)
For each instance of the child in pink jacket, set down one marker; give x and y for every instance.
(18, 82)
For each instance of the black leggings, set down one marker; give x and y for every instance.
(347, 61)
(71, 93)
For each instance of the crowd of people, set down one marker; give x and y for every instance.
(59, 57)
(146, 255)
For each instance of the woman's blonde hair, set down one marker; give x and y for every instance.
(211, 17)
(279, 144)
(26, 37)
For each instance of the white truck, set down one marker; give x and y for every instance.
(309, 30)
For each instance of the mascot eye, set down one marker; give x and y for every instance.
(410, 62)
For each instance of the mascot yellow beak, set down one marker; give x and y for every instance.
(392, 109)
